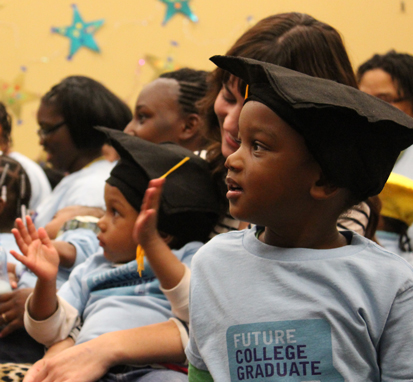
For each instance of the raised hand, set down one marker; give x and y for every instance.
(145, 229)
(39, 255)
(25, 236)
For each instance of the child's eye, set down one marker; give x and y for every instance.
(141, 117)
(256, 146)
(115, 212)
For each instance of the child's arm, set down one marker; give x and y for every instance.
(42, 259)
(166, 266)
(66, 251)
(90, 360)
(58, 347)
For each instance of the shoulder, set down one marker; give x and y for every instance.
(377, 260)
(221, 246)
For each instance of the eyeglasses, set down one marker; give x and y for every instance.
(42, 133)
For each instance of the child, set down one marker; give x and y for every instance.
(15, 194)
(297, 300)
(40, 186)
(106, 292)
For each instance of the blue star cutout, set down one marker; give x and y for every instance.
(80, 33)
(178, 6)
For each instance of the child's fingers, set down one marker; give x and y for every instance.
(44, 237)
(154, 197)
(23, 231)
(31, 228)
(19, 240)
(19, 257)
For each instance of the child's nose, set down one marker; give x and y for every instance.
(233, 162)
(101, 224)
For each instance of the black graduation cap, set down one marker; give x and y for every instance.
(356, 138)
(189, 205)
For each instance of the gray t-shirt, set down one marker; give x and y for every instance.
(262, 313)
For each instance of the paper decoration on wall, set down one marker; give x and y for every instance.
(80, 33)
(14, 95)
(178, 6)
(160, 65)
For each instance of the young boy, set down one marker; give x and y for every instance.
(106, 292)
(296, 300)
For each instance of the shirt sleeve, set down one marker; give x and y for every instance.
(395, 347)
(84, 240)
(179, 296)
(55, 328)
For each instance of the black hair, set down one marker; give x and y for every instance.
(5, 123)
(399, 227)
(84, 103)
(18, 190)
(398, 65)
(192, 87)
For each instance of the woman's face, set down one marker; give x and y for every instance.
(158, 117)
(228, 107)
(55, 138)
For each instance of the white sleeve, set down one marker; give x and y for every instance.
(179, 296)
(183, 332)
(56, 328)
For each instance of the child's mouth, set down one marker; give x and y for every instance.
(233, 188)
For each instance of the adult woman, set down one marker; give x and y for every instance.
(66, 116)
(293, 40)
(166, 111)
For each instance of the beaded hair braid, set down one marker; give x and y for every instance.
(14, 180)
(192, 87)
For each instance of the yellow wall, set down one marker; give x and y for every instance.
(133, 29)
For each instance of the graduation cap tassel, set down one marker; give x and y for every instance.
(140, 253)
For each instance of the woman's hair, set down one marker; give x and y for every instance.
(398, 65)
(192, 87)
(293, 40)
(84, 103)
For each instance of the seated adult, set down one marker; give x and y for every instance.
(166, 110)
(390, 77)
(66, 117)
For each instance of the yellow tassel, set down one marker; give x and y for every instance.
(246, 92)
(140, 253)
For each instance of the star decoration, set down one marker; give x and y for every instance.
(13, 94)
(160, 65)
(178, 6)
(80, 33)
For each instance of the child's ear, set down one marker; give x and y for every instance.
(192, 125)
(166, 237)
(323, 189)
